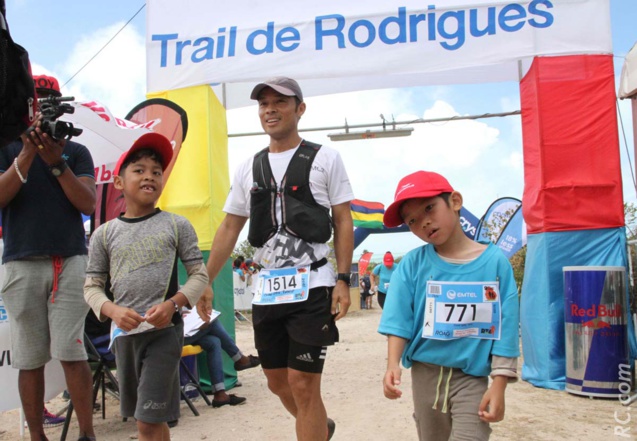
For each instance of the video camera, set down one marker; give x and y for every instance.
(51, 109)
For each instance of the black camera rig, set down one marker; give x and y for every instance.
(51, 109)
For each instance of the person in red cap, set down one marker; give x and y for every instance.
(138, 251)
(288, 191)
(452, 313)
(46, 86)
(382, 276)
(45, 186)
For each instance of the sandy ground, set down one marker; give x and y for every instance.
(353, 395)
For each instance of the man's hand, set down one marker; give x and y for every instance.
(340, 299)
(160, 315)
(49, 149)
(125, 318)
(204, 305)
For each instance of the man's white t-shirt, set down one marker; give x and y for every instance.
(330, 186)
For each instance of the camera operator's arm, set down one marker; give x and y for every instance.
(10, 180)
(80, 191)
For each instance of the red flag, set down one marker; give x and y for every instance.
(364, 262)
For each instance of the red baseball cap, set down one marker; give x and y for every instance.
(151, 140)
(47, 85)
(422, 184)
(388, 258)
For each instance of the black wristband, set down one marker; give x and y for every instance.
(345, 278)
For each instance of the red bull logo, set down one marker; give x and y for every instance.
(596, 324)
(596, 311)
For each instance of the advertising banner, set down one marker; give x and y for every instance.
(390, 42)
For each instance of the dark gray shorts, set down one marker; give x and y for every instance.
(45, 326)
(148, 374)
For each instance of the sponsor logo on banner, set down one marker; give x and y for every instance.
(4, 317)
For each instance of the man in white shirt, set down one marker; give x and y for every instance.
(290, 225)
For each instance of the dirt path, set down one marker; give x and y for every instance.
(353, 396)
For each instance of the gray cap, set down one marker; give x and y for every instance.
(283, 85)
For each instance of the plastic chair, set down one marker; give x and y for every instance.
(189, 350)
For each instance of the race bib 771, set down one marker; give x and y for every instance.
(462, 309)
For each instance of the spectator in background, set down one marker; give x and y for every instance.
(238, 266)
(212, 337)
(382, 276)
(366, 291)
(45, 186)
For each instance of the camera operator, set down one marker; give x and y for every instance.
(45, 185)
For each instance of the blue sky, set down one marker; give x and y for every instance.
(482, 159)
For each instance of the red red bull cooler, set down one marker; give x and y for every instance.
(596, 329)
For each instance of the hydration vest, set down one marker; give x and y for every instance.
(301, 215)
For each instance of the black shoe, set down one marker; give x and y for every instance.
(173, 423)
(232, 401)
(252, 362)
(331, 428)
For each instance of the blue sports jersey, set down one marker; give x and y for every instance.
(403, 315)
(384, 275)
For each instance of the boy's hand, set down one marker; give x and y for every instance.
(204, 305)
(391, 381)
(491, 408)
(160, 315)
(125, 318)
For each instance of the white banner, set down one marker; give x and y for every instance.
(105, 135)
(242, 293)
(406, 42)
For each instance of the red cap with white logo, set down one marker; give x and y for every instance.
(422, 184)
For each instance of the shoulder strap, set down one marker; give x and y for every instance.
(298, 171)
(261, 171)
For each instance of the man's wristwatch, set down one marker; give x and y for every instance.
(59, 168)
(345, 277)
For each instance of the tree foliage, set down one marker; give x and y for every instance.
(517, 262)
(243, 249)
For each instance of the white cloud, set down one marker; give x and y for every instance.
(116, 77)
(460, 150)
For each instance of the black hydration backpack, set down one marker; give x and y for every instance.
(17, 91)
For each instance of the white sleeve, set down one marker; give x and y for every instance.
(238, 201)
(339, 186)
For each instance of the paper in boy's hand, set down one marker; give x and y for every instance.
(193, 323)
(116, 332)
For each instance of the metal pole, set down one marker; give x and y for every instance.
(415, 121)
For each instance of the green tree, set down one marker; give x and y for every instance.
(243, 249)
(517, 262)
(630, 216)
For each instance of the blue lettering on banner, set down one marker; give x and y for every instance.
(3, 314)
(450, 29)
(5, 358)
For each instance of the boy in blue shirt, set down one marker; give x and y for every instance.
(452, 315)
(139, 251)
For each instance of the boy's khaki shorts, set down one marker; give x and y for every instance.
(461, 421)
